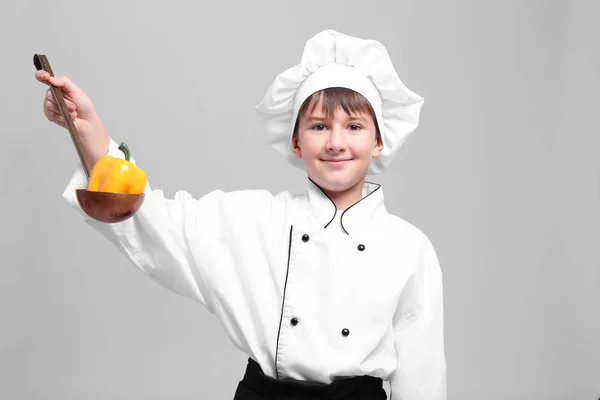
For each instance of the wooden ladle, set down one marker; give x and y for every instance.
(102, 206)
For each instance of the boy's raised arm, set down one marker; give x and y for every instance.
(155, 239)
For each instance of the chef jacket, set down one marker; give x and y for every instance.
(306, 298)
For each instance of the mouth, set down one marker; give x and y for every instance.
(337, 162)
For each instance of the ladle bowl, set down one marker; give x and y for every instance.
(109, 207)
(106, 207)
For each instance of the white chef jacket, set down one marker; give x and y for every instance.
(305, 298)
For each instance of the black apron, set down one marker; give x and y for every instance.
(257, 386)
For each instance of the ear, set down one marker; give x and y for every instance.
(378, 148)
(296, 147)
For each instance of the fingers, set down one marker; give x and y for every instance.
(58, 118)
(54, 117)
(45, 77)
(50, 97)
(51, 107)
(52, 111)
(63, 82)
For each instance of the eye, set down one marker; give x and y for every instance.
(355, 127)
(318, 127)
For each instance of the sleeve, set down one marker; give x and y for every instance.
(419, 333)
(156, 239)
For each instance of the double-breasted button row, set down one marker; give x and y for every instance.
(305, 238)
(294, 321)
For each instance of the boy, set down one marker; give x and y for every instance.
(326, 292)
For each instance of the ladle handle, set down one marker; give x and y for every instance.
(41, 62)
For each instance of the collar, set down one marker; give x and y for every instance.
(323, 209)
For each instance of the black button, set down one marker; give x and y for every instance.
(294, 321)
(361, 247)
(345, 332)
(305, 238)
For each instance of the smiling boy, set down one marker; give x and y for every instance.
(325, 304)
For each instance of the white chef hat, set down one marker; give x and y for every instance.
(333, 59)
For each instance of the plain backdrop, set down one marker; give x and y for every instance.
(502, 175)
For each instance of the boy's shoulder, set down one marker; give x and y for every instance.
(402, 228)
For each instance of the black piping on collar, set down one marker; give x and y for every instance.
(343, 212)
(332, 203)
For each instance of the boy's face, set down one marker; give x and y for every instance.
(322, 140)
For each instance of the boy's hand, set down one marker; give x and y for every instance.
(79, 104)
(89, 127)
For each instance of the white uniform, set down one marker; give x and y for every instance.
(306, 298)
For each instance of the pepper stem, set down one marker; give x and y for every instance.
(123, 147)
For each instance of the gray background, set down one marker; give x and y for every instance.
(502, 175)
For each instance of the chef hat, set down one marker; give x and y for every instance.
(332, 59)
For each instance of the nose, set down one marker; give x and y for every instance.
(336, 140)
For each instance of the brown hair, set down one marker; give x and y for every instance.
(349, 100)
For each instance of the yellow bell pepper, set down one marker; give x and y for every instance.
(117, 175)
